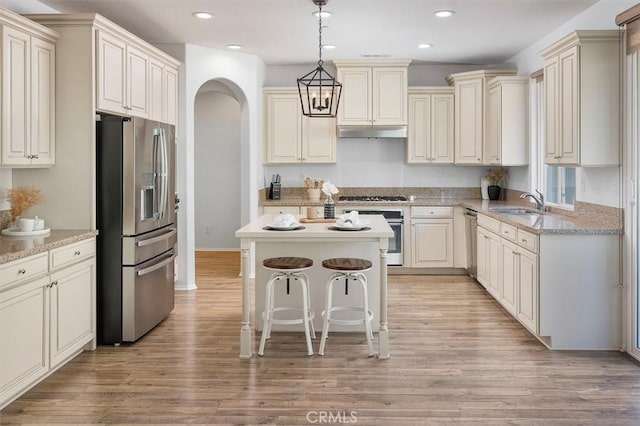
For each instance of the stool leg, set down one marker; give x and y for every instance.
(369, 314)
(305, 312)
(268, 314)
(367, 322)
(327, 311)
(313, 330)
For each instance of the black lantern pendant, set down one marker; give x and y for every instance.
(319, 91)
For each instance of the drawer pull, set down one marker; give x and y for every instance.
(76, 253)
(524, 240)
(22, 271)
(54, 283)
(506, 232)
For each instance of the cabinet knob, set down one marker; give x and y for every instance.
(36, 156)
(76, 253)
(22, 271)
(524, 240)
(479, 159)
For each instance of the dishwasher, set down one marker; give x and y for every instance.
(471, 226)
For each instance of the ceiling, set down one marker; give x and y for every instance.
(285, 31)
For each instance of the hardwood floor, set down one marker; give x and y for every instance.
(456, 357)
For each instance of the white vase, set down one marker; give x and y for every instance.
(484, 184)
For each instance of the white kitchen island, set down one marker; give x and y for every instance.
(316, 242)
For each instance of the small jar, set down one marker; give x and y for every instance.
(329, 208)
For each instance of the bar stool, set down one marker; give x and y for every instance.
(286, 269)
(348, 269)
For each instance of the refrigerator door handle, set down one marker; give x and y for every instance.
(154, 240)
(162, 207)
(154, 172)
(162, 264)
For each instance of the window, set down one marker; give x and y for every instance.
(558, 183)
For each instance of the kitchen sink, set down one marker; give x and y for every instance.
(514, 211)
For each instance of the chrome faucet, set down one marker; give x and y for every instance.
(539, 199)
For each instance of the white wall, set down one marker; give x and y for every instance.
(594, 185)
(217, 170)
(243, 75)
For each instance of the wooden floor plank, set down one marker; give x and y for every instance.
(456, 358)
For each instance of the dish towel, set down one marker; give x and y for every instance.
(285, 221)
(351, 220)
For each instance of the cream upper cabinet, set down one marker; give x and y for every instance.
(170, 95)
(122, 77)
(28, 93)
(372, 94)
(156, 90)
(507, 121)
(470, 113)
(291, 137)
(582, 99)
(430, 129)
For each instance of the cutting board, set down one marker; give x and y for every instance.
(318, 220)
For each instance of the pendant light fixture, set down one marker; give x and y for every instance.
(319, 91)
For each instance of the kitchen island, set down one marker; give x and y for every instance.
(316, 241)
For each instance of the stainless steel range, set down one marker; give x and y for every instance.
(394, 216)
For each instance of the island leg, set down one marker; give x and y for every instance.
(383, 331)
(245, 328)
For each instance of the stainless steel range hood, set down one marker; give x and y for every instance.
(372, 131)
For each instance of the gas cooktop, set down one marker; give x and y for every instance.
(372, 198)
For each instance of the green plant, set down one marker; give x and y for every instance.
(496, 176)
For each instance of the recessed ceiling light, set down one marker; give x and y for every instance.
(329, 46)
(234, 46)
(444, 13)
(323, 14)
(203, 15)
(425, 45)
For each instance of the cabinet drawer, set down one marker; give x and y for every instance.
(276, 210)
(528, 240)
(432, 212)
(489, 223)
(23, 269)
(71, 253)
(509, 232)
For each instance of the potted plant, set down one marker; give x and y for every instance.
(496, 177)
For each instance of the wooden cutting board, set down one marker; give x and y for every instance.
(318, 220)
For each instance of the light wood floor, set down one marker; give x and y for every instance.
(456, 357)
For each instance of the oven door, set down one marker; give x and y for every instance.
(394, 255)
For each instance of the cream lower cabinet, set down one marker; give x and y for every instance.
(488, 258)
(28, 93)
(430, 129)
(432, 237)
(291, 137)
(45, 319)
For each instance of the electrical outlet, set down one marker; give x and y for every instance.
(207, 229)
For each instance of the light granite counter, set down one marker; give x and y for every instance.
(13, 248)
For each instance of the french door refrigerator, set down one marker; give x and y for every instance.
(137, 230)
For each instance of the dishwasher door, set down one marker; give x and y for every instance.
(471, 226)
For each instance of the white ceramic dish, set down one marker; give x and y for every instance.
(348, 228)
(15, 232)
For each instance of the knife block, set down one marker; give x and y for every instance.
(274, 191)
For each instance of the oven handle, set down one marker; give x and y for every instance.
(158, 265)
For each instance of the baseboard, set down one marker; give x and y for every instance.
(401, 270)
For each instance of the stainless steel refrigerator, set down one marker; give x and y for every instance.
(136, 218)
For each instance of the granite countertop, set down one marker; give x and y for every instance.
(580, 222)
(13, 248)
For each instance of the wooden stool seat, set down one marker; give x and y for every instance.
(347, 264)
(286, 263)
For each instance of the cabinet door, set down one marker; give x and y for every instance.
(432, 243)
(283, 127)
(551, 111)
(494, 125)
(318, 140)
(442, 129)
(72, 302)
(24, 355)
(137, 82)
(569, 98)
(482, 257)
(157, 103)
(171, 95)
(468, 121)
(43, 102)
(389, 96)
(419, 129)
(355, 105)
(493, 259)
(16, 97)
(111, 74)
(527, 306)
(508, 275)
